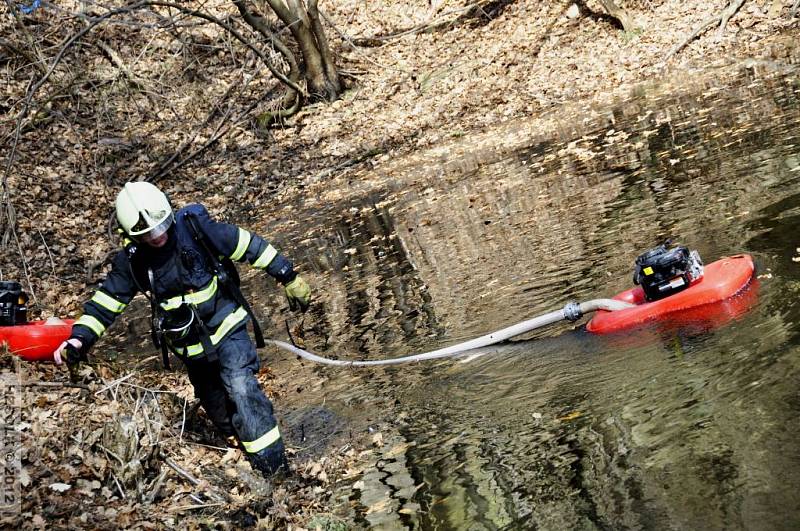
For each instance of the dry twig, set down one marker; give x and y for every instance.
(355, 48)
(219, 497)
(167, 166)
(113, 385)
(57, 385)
(181, 508)
(91, 23)
(230, 29)
(49, 254)
(120, 64)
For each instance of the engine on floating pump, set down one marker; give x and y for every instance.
(663, 271)
(13, 304)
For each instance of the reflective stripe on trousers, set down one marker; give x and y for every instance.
(268, 439)
(233, 378)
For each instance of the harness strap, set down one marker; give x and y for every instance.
(209, 349)
(155, 330)
(165, 356)
(224, 279)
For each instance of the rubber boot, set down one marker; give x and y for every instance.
(271, 461)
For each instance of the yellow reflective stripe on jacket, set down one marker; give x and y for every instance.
(271, 437)
(108, 302)
(197, 297)
(227, 324)
(92, 324)
(266, 257)
(242, 244)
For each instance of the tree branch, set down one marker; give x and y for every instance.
(168, 165)
(726, 15)
(38, 61)
(259, 24)
(117, 61)
(12, 48)
(282, 11)
(275, 72)
(219, 497)
(721, 18)
(66, 44)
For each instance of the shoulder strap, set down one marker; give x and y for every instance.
(224, 278)
(155, 329)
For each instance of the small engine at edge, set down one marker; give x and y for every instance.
(13, 304)
(663, 271)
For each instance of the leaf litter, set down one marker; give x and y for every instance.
(425, 74)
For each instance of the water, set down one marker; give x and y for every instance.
(652, 429)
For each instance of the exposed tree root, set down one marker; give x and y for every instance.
(620, 14)
(443, 20)
(115, 58)
(720, 18)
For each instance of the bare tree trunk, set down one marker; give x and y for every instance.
(258, 23)
(317, 72)
(324, 48)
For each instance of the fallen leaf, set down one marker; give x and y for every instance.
(60, 487)
(570, 416)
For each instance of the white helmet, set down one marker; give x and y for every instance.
(143, 211)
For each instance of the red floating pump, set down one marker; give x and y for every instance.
(698, 293)
(36, 340)
(31, 341)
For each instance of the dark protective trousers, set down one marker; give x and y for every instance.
(231, 396)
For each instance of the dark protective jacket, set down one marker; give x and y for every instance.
(182, 273)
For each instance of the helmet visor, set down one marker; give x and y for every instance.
(154, 233)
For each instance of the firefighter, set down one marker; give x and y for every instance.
(182, 262)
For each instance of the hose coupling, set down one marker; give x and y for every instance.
(572, 311)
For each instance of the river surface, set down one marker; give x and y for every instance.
(691, 427)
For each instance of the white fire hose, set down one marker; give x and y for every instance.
(571, 312)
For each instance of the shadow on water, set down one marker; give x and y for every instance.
(658, 428)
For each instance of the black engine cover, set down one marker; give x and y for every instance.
(662, 271)
(13, 304)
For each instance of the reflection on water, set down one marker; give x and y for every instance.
(654, 429)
